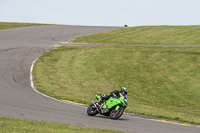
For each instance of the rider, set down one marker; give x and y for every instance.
(123, 91)
(116, 93)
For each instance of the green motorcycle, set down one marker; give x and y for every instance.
(113, 107)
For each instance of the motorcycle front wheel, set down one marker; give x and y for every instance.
(115, 114)
(92, 111)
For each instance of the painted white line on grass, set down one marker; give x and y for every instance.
(33, 87)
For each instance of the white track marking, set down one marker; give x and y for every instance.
(33, 87)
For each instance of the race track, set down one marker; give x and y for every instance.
(19, 47)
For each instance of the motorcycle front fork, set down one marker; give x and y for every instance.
(99, 106)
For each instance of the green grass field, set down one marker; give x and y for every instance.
(5, 25)
(22, 126)
(163, 82)
(165, 35)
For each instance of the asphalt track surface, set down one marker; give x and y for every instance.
(19, 47)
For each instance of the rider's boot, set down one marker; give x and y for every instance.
(105, 110)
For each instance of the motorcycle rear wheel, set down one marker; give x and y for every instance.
(115, 114)
(92, 111)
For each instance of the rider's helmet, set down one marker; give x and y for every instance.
(124, 90)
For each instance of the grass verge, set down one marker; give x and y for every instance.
(162, 82)
(23, 126)
(8, 125)
(6, 25)
(165, 35)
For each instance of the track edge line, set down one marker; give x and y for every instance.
(33, 87)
